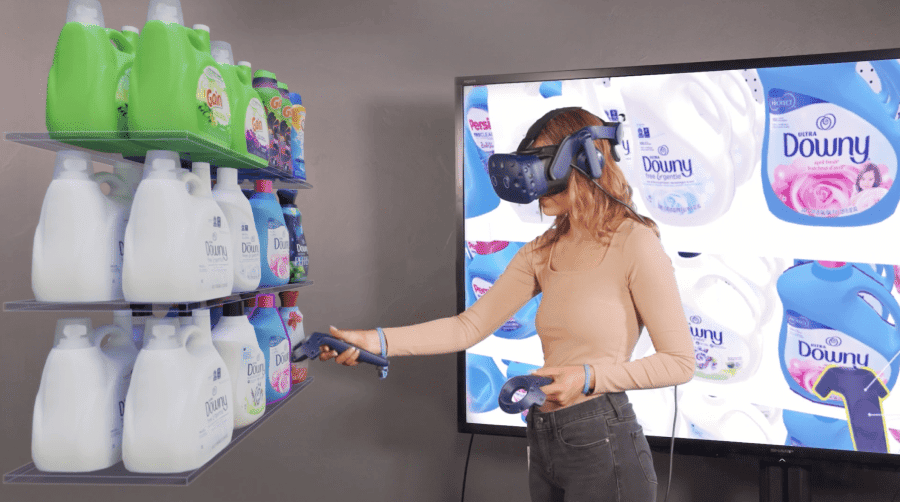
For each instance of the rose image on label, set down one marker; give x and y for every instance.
(279, 364)
(211, 93)
(825, 161)
(256, 129)
(811, 347)
(278, 249)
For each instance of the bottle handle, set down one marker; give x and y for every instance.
(110, 335)
(197, 186)
(748, 113)
(723, 126)
(114, 181)
(889, 73)
(887, 301)
(189, 336)
(745, 291)
(120, 41)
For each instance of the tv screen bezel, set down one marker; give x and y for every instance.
(683, 446)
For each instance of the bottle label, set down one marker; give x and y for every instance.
(293, 223)
(213, 97)
(299, 123)
(248, 265)
(256, 130)
(720, 353)
(214, 271)
(279, 244)
(279, 364)
(811, 347)
(122, 91)
(255, 364)
(216, 410)
(675, 179)
(119, 422)
(823, 160)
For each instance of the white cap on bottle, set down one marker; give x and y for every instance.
(221, 52)
(201, 27)
(72, 333)
(162, 164)
(167, 11)
(85, 12)
(244, 63)
(73, 164)
(131, 29)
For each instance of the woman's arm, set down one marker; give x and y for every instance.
(651, 280)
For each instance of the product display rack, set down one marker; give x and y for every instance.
(118, 475)
(167, 140)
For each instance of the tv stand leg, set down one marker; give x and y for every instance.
(780, 482)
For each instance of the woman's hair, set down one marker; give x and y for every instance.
(875, 171)
(589, 205)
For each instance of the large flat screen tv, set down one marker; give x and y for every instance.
(773, 182)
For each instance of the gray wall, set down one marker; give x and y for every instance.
(377, 79)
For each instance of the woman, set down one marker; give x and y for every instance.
(604, 276)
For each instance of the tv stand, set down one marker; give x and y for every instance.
(780, 481)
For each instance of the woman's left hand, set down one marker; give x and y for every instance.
(568, 384)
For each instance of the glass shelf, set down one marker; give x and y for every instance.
(109, 148)
(34, 305)
(118, 475)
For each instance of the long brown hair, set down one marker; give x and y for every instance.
(589, 205)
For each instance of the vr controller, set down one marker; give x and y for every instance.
(310, 349)
(520, 392)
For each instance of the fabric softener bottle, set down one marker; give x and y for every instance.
(274, 240)
(266, 85)
(299, 258)
(276, 346)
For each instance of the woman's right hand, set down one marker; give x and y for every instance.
(367, 340)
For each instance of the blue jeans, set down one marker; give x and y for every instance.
(594, 451)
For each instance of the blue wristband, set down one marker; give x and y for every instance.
(382, 371)
(587, 380)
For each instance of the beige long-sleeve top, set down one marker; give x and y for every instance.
(587, 317)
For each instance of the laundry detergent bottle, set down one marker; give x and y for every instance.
(276, 346)
(77, 423)
(298, 256)
(249, 134)
(489, 260)
(479, 146)
(178, 412)
(274, 239)
(298, 125)
(134, 321)
(827, 322)
(266, 85)
(292, 319)
(89, 73)
(178, 242)
(244, 235)
(831, 143)
(76, 250)
(682, 124)
(175, 83)
(287, 111)
(235, 339)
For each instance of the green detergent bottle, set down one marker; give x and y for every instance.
(266, 84)
(287, 111)
(176, 86)
(249, 133)
(90, 66)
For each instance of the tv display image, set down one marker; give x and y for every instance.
(773, 184)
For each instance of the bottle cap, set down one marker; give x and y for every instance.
(282, 85)
(286, 197)
(244, 63)
(87, 12)
(250, 303)
(161, 333)
(289, 298)
(233, 309)
(264, 186)
(201, 317)
(832, 264)
(132, 29)
(72, 333)
(295, 98)
(226, 176)
(167, 11)
(221, 52)
(73, 164)
(265, 301)
(201, 27)
(162, 164)
(265, 74)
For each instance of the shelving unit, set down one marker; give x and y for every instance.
(117, 475)
(101, 146)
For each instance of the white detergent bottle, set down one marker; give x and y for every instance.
(682, 126)
(244, 237)
(235, 339)
(178, 413)
(177, 243)
(75, 256)
(727, 419)
(77, 423)
(747, 116)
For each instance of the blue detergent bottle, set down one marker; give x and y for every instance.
(815, 431)
(828, 322)
(479, 146)
(831, 142)
(298, 257)
(483, 383)
(274, 240)
(489, 260)
(276, 346)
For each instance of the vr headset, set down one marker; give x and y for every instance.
(530, 173)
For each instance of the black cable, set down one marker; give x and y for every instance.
(466, 470)
(672, 446)
(609, 194)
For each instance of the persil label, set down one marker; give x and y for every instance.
(479, 125)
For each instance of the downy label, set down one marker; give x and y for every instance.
(213, 97)
(255, 364)
(676, 181)
(720, 353)
(279, 364)
(215, 410)
(214, 270)
(248, 265)
(279, 244)
(810, 347)
(823, 160)
(256, 130)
